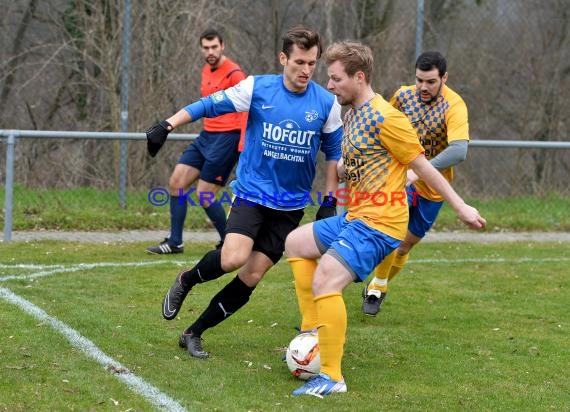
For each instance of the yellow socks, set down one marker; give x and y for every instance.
(386, 270)
(381, 273)
(332, 333)
(303, 272)
(398, 264)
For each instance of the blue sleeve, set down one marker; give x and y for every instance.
(330, 144)
(213, 105)
(196, 110)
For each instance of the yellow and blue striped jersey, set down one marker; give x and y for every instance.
(442, 120)
(377, 145)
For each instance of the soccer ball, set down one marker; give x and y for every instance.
(303, 356)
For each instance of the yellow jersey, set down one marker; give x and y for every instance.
(377, 145)
(437, 123)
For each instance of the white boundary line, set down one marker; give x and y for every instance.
(87, 266)
(28, 266)
(82, 266)
(136, 384)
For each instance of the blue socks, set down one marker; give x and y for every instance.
(178, 209)
(217, 215)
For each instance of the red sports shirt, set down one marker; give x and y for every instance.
(226, 75)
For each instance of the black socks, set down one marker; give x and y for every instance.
(226, 302)
(209, 268)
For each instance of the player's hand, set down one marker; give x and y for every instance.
(327, 209)
(411, 177)
(156, 136)
(471, 217)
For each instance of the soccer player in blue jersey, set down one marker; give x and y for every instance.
(290, 119)
(378, 147)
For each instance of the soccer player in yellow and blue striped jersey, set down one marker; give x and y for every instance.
(378, 146)
(439, 116)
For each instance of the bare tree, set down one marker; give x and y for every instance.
(60, 69)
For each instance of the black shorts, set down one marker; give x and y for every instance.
(214, 154)
(267, 227)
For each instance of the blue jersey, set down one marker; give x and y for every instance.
(285, 131)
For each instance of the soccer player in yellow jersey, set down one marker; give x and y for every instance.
(439, 116)
(378, 146)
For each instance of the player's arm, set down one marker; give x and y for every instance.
(331, 177)
(429, 174)
(451, 156)
(178, 119)
(190, 113)
(156, 135)
(207, 106)
(236, 77)
(328, 206)
(340, 170)
(330, 146)
(234, 99)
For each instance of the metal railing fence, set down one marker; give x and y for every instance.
(494, 168)
(12, 135)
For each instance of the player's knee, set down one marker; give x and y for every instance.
(232, 260)
(175, 183)
(251, 279)
(292, 246)
(290, 249)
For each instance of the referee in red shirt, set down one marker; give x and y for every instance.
(212, 156)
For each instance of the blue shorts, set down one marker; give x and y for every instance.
(214, 154)
(423, 213)
(358, 247)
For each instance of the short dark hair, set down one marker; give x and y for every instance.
(303, 38)
(432, 60)
(211, 34)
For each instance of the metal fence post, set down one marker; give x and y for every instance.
(8, 200)
(419, 27)
(123, 152)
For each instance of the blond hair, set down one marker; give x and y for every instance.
(354, 56)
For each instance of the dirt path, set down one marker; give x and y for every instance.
(156, 236)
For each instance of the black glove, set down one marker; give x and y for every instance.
(327, 209)
(156, 136)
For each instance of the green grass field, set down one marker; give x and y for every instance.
(465, 327)
(90, 209)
